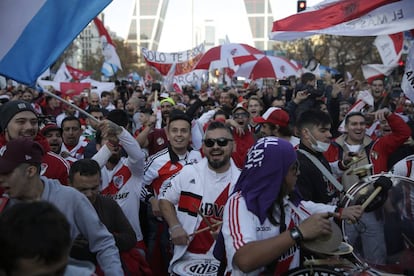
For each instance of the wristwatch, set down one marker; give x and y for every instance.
(296, 234)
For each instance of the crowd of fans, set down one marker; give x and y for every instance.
(159, 166)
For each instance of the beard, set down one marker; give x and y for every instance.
(217, 164)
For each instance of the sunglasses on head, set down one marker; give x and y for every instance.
(222, 142)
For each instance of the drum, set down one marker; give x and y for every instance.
(200, 267)
(381, 238)
(316, 270)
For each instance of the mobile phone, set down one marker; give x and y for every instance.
(284, 82)
(338, 77)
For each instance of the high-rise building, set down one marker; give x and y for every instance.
(260, 16)
(146, 24)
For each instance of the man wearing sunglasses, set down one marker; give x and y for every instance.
(196, 196)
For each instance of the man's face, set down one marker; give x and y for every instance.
(166, 108)
(241, 117)
(384, 128)
(98, 116)
(254, 108)
(377, 87)
(343, 110)
(27, 97)
(291, 178)
(312, 134)
(266, 130)
(14, 183)
(105, 101)
(408, 108)
(54, 138)
(87, 185)
(179, 135)
(23, 124)
(225, 99)
(94, 100)
(71, 132)
(218, 156)
(356, 128)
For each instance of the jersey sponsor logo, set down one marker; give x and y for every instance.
(263, 228)
(160, 141)
(212, 210)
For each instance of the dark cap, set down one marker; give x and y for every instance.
(177, 114)
(9, 109)
(18, 151)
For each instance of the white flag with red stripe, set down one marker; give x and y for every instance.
(364, 98)
(407, 84)
(374, 71)
(347, 18)
(390, 47)
(108, 50)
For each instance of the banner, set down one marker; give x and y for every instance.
(389, 17)
(184, 61)
(35, 33)
(390, 47)
(76, 87)
(112, 62)
(407, 84)
(63, 74)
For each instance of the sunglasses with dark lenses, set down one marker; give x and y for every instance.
(222, 142)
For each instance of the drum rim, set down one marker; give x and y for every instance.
(368, 179)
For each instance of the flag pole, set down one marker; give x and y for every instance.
(72, 105)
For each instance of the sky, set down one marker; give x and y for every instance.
(227, 16)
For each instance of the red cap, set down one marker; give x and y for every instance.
(274, 115)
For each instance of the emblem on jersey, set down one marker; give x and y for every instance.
(374, 155)
(118, 181)
(173, 167)
(43, 168)
(160, 141)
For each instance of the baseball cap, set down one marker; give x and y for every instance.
(240, 106)
(274, 115)
(18, 151)
(48, 127)
(169, 100)
(9, 109)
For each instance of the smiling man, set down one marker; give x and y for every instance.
(197, 195)
(18, 119)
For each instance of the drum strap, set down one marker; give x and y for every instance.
(323, 170)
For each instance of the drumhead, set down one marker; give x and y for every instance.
(384, 237)
(201, 267)
(316, 270)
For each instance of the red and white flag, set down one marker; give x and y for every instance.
(374, 71)
(347, 18)
(108, 50)
(78, 74)
(390, 47)
(407, 84)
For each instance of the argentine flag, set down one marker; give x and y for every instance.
(34, 33)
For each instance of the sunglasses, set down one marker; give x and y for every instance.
(221, 142)
(240, 115)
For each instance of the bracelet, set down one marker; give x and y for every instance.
(296, 234)
(171, 229)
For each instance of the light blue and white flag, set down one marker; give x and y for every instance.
(35, 33)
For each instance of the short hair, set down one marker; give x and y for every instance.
(119, 117)
(218, 125)
(33, 230)
(105, 94)
(70, 118)
(313, 117)
(307, 77)
(85, 167)
(95, 109)
(352, 114)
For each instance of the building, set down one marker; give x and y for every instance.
(146, 24)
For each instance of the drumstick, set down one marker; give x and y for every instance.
(354, 161)
(206, 228)
(204, 218)
(371, 197)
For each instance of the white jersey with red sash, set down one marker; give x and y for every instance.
(196, 187)
(242, 226)
(76, 152)
(124, 182)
